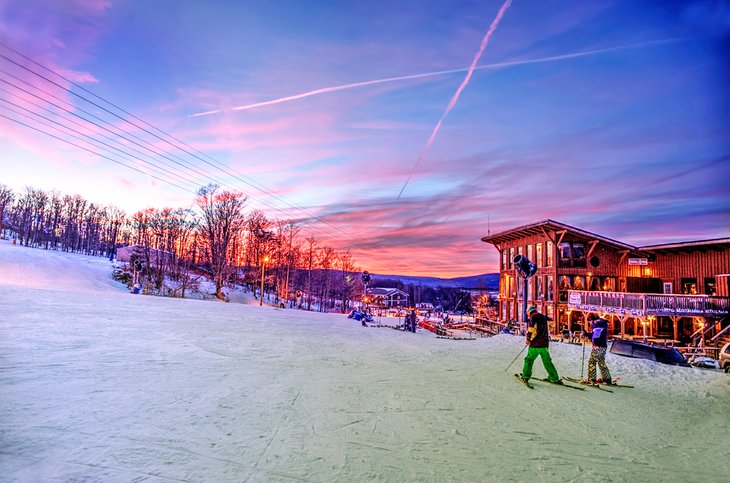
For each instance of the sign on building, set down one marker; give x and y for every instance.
(638, 261)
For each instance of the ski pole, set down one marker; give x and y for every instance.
(513, 360)
(583, 361)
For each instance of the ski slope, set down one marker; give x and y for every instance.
(97, 384)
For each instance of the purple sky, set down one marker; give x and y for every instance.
(611, 116)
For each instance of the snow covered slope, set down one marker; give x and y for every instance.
(35, 268)
(97, 384)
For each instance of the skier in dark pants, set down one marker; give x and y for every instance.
(410, 322)
(598, 353)
(538, 338)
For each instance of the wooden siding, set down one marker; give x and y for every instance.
(699, 264)
(698, 260)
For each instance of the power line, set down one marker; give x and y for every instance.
(95, 153)
(238, 176)
(90, 122)
(93, 116)
(90, 139)
(328, 228)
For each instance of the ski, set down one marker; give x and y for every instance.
(594, 386)
(519, 378)
(563, 384)
(615, 382)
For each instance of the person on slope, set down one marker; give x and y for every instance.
(538, 338)
(598, 353)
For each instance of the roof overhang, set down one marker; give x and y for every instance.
(549, 228)
(717, 244)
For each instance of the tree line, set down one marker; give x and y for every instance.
(217, 239)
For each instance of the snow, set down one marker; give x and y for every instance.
(97, 384)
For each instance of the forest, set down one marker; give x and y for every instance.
(174, 249)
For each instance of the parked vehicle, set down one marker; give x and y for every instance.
(724, 358)
(703, 362)
(639, 350)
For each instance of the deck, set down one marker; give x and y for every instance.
(646, 304)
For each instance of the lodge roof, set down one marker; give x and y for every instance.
(689, 246)
(386, 292)
(545, 226)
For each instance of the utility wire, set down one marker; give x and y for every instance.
(95, 153)
(115, 132)
(218, 181)
(108, 148)
(238, 176)
(263, 190)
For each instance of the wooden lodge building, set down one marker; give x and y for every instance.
(677, 291)
(386, 298)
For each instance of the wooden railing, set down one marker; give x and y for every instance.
(643, 304)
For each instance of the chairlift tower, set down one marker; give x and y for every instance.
(365, 279)
(525, 269)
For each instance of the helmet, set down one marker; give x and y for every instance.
(531, 311)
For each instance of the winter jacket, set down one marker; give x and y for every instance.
(537, 331)
(600, 332)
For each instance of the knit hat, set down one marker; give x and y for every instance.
(531, 311)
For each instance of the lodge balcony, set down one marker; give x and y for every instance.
(649, 304)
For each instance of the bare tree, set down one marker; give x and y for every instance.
(309, 258)
(6, 199)
(347, 279)
(223, 217)
(55, 219)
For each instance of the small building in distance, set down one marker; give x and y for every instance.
(145, 254)
(386, 298)
(667, 291)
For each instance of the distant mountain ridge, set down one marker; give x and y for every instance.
(486, 281)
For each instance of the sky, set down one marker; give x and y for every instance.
(402, 131)
(248, 393)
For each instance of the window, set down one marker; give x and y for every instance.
(579, 283)
(609, 284)
(549, 287)
(549, 250)
(596, 284)
(689, 286)
(529, 254)
(511, 257)
(710, 286)
(539, 295)
(564, 283)
(504, 260)
(565, 251)
(563, 287)
(538, 255)
(572, 254)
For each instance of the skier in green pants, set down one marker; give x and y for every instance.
(538, 338)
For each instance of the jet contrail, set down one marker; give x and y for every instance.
(458, 92)
(498, 65)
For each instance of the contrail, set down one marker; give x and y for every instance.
(458, 92)
(498, 65)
